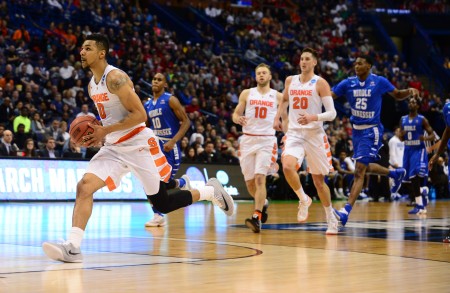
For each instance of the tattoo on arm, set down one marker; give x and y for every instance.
(118, 82)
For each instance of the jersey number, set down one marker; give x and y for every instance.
(156, 122)
(260, 112)
(101, 110)
(361, 103)
(409, 135)
(300, 103)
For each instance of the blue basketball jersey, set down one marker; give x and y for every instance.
(163, 121)
(413, 130)
(446, 112)
(364, 97)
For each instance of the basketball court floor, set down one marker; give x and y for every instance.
(382, 249)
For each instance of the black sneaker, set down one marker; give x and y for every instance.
(264, 214)
(445, 240)
(254, 224)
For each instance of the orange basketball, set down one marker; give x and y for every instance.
(80, 127)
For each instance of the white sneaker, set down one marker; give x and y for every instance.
(64, 251)
(188, 182)
(157, 221)
(221, 198)
(332, 225)
(303, 206)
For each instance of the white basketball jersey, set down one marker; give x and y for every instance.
(303, 98)
(109, 107)
(260, 111)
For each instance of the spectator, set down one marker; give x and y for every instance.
(30, 149)
(22, 119)
(7, 147)
(53, 129)
(209, 154)
(85, 111)
(49, 150)
(6, 112)
(190, 156)
(21, 136)
(73, 151)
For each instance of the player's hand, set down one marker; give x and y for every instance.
(168, 146)
(414, 92)
(96, 137)
(306, 118)
(432, 161)
(242, 120)
(277, 125)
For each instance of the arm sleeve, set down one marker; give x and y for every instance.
(330, 112)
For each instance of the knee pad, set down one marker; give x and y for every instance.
(160, 200)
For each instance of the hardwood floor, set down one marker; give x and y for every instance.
(382, 249)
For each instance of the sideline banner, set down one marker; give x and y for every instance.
(39, 179)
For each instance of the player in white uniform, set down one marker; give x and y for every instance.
(258, 146)
(306, 138)
(129, 147)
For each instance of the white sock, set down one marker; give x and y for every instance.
(328, 210)
(266, 202)
(301, 194)
(206, 193)
(76, 236)
(419, 200)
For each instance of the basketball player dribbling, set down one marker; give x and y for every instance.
(129, 147)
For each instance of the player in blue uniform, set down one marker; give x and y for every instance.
(445, 142)
(364, 93)
(169, 122)
(415, 154)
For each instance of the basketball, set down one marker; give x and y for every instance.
(80, 127)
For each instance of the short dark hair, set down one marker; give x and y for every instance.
(101, 41)
(312, 51)
(367, 58)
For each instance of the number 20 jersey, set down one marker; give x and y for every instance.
(303, 98)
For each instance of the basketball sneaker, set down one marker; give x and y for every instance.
(303, 207)
(447, 238)
(187, 185)
(64, 251)
(342, 214)
(221, 198)
(264, 214)
(157, 221)
(397, 175)
(253, 223)
(418, 210)
(332, 225)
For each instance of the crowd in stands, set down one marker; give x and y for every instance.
(43, 87)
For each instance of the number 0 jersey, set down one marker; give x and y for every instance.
(111, 109)
(260, 111)
(303, 98)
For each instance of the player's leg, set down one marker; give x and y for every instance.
(319, 161)
(103, 169)
(293, 155)
(418, 160)
(414, 189)
(174, 160)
